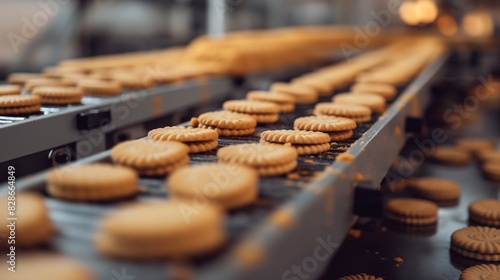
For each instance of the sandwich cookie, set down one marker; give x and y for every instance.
(31, 84)
(10, 90)
(261, 111)
(480, 243)
(21, 78)
(355, 112)
(485, 212)
(491, 170)
(301, 94)
(387, 91)
(151, 158)
(450, 156)
(410, 211)
(481, 272)
(321, 86)
(100, 87)
(92, 182)
(361, 276)
(489, 156)
(434, 188)
(224, 185)
(198, 140)
(336, 127)
(284, 101)
(475, 146)
(306, 142)
(19, 104)
(155, 230)
(228, 123)
(373, 101)
(268, 160)
(59, 95)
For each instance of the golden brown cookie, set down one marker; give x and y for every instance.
(31, 84)
(475, 146)
(32, 225)
(357, 113)
(227, 120)
(182, 134)
(361, 276)
(385, 90)
(411, 211)
(21, 78)
(322, 87)
(324, 123)
(373, 101)
(301, 94)
(10, 90)
(481, 272)
(59, 95)
(301, 137)
(340, 135)
(489, 156)
(485, 212)
(175, 228)
(108, 182)
(151, 158)
(100, 87)
(131, 81)
(434, 188)
(251, 107)
(480, 243)
(450, 156)
(305, 149)
(19, 104)
(491, 170)
(275, 97)
(224, 185)
(202, 146)
(265, 118)
(230, 132)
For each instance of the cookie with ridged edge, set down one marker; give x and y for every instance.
(357, 119)
(20, 110)
(251, 107)
(385, 90)
(437, 189)
(162, 170)
(287, 108)
(324, 123)
(373, 101)
(342, 110)
(451, 156)
(485, 212)
(475, 145)
(305, 149)
(143, 154)
(33, 226)
(21, 78)
(491, 170)
(295, 136)
(100, 87)
(322, 87)
(265, 118)
(340, 135)
(30, 85)
(489, 156)
(59, 95)
(257, 155)
(411, 211)
(276, 170)
(107, 182)
(361, 276)
(301, 94)
(225, 185)
(227, 120)
(19, 104)
(267, 96)
(169, 230)
(230, 132)
(481, 243)
(10, 90)
(182, 134)
(481, 272)
(202, 146)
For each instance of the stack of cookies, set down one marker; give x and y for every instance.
(355, 112)
(373, 101)
(322, 86)
(336, 127)
(227, 123)
(451, 156)
(31, 84)
(198, 140)
(59, 95)
(301, 94)
(19, 104)
(481, 271)
(151, 158)
(480, 243)
(261, 111)
(410, 211)
(100, 87)
(435, 189)
(286, 102)
(268, 160)
(387, 91)
(10, 90)
(305, 142)
(485, 212)
(20, 78)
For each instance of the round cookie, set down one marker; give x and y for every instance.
(324, 123)
(100, 87)
(489, 156)
(171, 229)
(251, 107)
(265, 118)
(301, 94)
(151, 158)
(435, 188)
(227, 120)
(322, 87)
(10, 90)
(182, 134)
(480, 243)
(107, 182)
(410, 211)
(225, 185)
(450, 156)
(385, 90)
(21, 78)
(475, 146)
(341, 135)
(33, 226)
(275, 97)
(19, 104)
(295, 136)
(59, 95)
(361, 276)
(373, 101)
(45, 266)
(481, 272)
(307, 149)
(230, 132)
(357, 113)
(485, 212)
(202, 146)
(44, 82)
(491, 170)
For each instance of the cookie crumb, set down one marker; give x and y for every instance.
(398, 260)
(356, 233)
(193, 122)
(359, 177)
(345, 157)
(293, 176)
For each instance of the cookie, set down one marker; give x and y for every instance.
(307, 149)
(202, 146)
(482, 271)
(250, 107)
(285, 102)
(387, 91)
(265, 118)
(480, 243)
(361, 276)
(269, 160)
(21, 78)
(31, 84)
(151, 158)
(33, 226)
(175, 228)
(47, 266)
(230, 132)
(491, 171)
(340, 135)
(475, 146)
(182, 134)
(411, 211)
(451, 156)
(301, 137)
(485, 212)
(108, 182)
(19, 104)
(321, 87)
(224, 185)
(59, 95)
(100, 87)
(434, 188)
(227, 120)
(489, 156)
(357, 113)
(10, 90)
(131, 81)
(324, 123)
(373, 101)
(301, 94)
